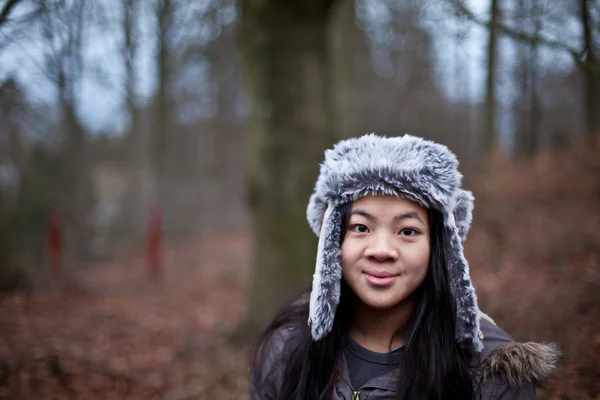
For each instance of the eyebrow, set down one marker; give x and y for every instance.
(397, 218)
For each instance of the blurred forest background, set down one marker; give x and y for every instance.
(156, 159)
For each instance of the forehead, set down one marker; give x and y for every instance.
(387, 205)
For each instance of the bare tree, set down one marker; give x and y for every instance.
(62, 25)
(23, 189)
(7, 9)
(285, 50)
(11, 100)
(135, 210)
(591, 69)
(129, 53)
(489, 140)
(528, 109)
(352, 76)
(584, 57)
(163, 106)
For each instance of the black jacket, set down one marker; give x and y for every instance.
(505, 369)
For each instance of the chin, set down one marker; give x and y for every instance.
(381, 302)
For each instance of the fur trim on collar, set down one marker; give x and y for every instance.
(520, 363)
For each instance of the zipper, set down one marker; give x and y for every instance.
(355, 393)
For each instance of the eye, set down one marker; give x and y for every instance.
(408, 232)
(359, 228)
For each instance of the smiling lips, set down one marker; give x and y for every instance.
(380, 278)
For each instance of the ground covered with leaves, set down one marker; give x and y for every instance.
(534, 252)
(108, 331)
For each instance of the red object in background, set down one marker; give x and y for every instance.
(154, 250)
(55, 241)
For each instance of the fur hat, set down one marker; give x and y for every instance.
(407, 166)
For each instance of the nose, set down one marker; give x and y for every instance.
(382, 248)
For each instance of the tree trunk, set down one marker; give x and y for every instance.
(75, 197)
(533, 143)
(285, 54)
(521, 108)
(351, 67)
(528, 104)
(77, 190)
(225, 143)
(489, 140)
(592, 77)
(163, 106)
(134, 219)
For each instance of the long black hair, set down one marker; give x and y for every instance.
(433, 365)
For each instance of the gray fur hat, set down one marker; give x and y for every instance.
(407, 166)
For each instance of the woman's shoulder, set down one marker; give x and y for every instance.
(290, 328)
(287, 333)
(283, 339)
(515, 362)
(272, 357)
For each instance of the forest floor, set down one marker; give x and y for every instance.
(110, 332)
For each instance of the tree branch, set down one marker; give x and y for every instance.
(578, 55)
(10, 4)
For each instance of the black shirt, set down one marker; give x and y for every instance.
(365, 364)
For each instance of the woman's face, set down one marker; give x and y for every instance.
(385, 253)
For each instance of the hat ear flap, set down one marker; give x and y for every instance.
(325, 294)
(463, 212)
(467, 311)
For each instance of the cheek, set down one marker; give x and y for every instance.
(349, 254)
(418, 260)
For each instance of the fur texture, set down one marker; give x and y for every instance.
(326, 298)
(520, 363)
(406, 166)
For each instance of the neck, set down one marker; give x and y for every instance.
(380, 330)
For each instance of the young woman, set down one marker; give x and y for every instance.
(392, 313)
